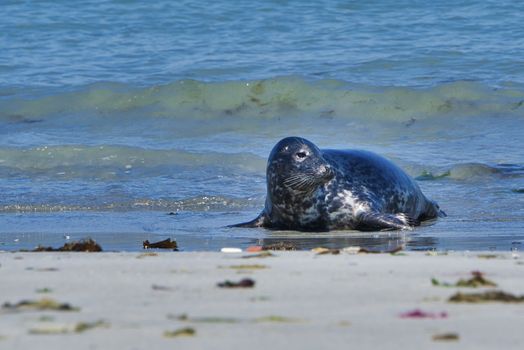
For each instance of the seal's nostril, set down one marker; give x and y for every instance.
(326, 172)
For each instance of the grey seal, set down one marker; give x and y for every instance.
(309, 189)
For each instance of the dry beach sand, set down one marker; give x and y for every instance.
(290, 300)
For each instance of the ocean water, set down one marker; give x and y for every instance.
(128, 120)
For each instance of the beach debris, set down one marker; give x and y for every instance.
(46, 318)
(83, 245)
(254, 249)
(417, 313)
(182, 332)
(44, 304)
(487, 256)
(477, 280)
(84, 326)
(360, 250)
(322, 251)
(275, 319)
(212, 319)
(246, 267)
(259, 298)
(389, 251)
(243, 283)
(230, 250)
(230, 320)
(263, 254)
(145, 255)
(48, 330)
(485, 297)
(165, 244)
(446, 337)
(79, 327)
(42, 269)
(351, 249)
(162, 288)
(282, 245)
(436, 253)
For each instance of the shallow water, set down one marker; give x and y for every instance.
(115, 114)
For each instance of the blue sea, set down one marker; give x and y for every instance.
(132, 120)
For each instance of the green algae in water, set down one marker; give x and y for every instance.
(429, 176)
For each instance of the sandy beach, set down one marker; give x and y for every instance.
(297, 300)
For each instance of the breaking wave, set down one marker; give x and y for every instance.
(271, 98)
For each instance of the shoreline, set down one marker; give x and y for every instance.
(299, 299)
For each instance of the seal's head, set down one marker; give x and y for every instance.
(296, 167)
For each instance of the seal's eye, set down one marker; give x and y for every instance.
(301, 155)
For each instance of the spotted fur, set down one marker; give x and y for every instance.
(309, 189)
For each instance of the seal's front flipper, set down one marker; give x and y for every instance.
(260, 221)
(383, 221)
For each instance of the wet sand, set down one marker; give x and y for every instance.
(298, 300)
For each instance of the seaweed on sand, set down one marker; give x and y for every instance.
(280, 246)
(83, 245)
(323, 251)
(182, 332)
(446, 337)
(485, 297)
(44, 304)
(79, 327)
(477, 280)
(244, 283)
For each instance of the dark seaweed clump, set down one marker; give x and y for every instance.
(280, 246)
(83, 245)
(165, 244)
(244, 283)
